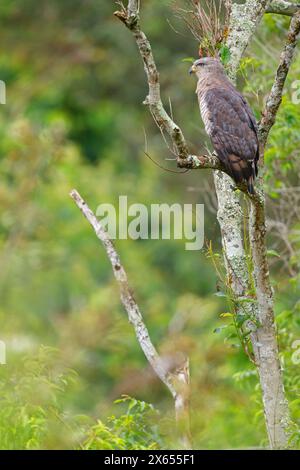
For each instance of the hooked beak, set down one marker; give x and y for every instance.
(192, 69)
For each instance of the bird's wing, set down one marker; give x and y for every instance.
(233, 131)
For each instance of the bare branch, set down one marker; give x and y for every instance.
(130, 18)
(176, 379)
(134, 314)
(281, 7)
(153, 100)
(275, 96)
(196, 162)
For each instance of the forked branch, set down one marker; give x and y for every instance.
(130, 17)
(176, 378)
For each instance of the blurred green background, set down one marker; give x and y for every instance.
(74, 118)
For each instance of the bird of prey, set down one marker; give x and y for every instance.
(228, 121)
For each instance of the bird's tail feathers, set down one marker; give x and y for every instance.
(242, 170)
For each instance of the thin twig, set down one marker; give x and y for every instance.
(275, 97)
(169, 170)
(203, 19)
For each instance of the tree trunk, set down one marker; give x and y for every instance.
(259, 310)
(244, 19)
(275, 404)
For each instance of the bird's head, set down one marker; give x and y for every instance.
(206, 65)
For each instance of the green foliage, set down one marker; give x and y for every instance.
(288, 321)
(31, 402)
(33, 416)
(134, 430)
(189, 59)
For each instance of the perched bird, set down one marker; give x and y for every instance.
(228, 121)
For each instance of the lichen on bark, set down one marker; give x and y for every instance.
(244, 20)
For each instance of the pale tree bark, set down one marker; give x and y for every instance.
(282, 7)
(173, 372)
(244, 20)
(259, 310)
(275, 404)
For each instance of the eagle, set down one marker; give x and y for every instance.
(228, 121)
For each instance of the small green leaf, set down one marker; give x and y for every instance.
(188, 59)
(133, 402)
(246, 334)
(240, 319)
(220, 328)
(220, 294)
(232, 335)
(273, 253)
(225, 54)
(247, 300)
